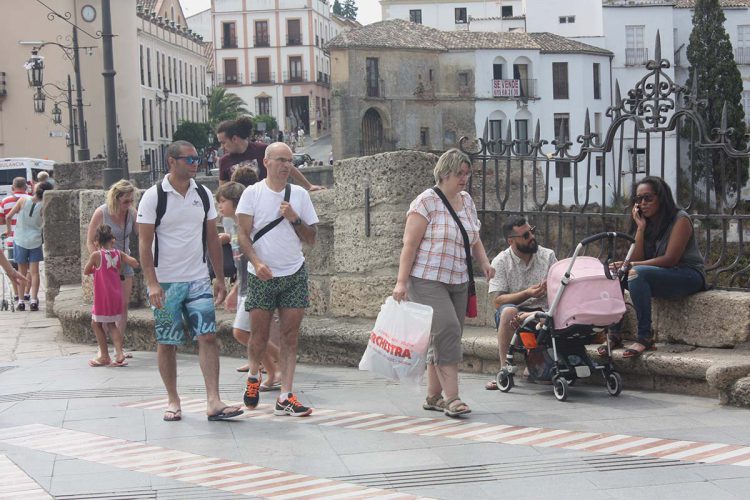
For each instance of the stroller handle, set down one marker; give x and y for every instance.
(609, 234)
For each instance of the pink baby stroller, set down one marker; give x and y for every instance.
(586, 299)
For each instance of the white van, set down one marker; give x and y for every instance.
(10, 168)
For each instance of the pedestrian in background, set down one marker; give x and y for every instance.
(118, 213)
(433, 271)
(106, 265)
(27, 240)
(20, 188)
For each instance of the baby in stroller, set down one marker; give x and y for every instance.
(586, 299)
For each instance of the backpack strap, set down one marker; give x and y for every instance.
(275, 222)
(206, 206)
(161, 208)
(464, 234)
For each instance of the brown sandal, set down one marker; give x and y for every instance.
(434, 403)
(632, 352)
(454, 407)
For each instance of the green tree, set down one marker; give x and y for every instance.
(269, 120)
(223, 105)
(349, 10)
(337, 9)
(712, 62)
(198, 134)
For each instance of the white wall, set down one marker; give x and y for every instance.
(441, 15)
(200, 23)
(544, 16)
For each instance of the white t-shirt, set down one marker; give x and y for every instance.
(180, 232)
(280, 248)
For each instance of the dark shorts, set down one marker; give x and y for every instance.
(500, 309)
(284, 292)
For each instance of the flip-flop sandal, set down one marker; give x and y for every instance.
(224, 414)
(630, 353)
(243, 369)
(93, 363)
(121, 363)
(172, 415)
(491, 385)
(276, 386)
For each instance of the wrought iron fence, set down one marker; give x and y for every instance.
(569, 192)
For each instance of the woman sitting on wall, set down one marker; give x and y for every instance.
(666, 262)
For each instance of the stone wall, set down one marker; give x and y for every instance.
(80, 175)
(62, 256)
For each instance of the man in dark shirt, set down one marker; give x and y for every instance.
(234, 137)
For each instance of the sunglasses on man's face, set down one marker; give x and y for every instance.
(190, 160)
(528, 234)
(648, 198)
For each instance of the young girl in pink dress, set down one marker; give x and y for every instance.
(105, 265)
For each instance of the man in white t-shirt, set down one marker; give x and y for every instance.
(277, 276)
(173, 259)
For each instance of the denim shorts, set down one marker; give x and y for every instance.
(189, 301)
(25, 255)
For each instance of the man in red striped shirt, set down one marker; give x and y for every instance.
(6, 205)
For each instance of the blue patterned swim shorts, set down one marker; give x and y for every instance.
(191, 302)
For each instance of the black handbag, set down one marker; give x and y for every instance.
(230, 271)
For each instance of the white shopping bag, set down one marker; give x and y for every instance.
(398, 344)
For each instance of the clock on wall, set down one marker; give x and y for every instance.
(88, 13)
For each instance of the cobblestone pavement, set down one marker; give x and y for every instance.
(70, 431)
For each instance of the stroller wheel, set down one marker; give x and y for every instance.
(560, 386)
(504, 381)
(614, 383)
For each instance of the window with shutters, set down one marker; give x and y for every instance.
(560, 80)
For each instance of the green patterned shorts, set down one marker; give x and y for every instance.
(284, 292)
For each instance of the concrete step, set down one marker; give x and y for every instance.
(674, 368)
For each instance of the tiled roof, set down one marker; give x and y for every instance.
(401, 34)
(148, 5)
(689, 4)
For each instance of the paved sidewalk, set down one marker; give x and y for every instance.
(68, 430)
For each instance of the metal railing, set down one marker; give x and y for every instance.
(295, 76)
(294, 39)
(742, 55)
(375, 89)
(323, 78)
(572, 188)
(263, 78)
(229, 42)
(230, 79)
(636, 56)
(262, 42)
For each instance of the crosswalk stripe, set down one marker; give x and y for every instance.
(693, 451)
(727, 455)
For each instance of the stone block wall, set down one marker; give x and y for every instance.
(61, 242)
(80, 175)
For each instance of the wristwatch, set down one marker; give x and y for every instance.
(296, 222)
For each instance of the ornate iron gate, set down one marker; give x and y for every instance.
(653, 121)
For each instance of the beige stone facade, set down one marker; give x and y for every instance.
(25, 24)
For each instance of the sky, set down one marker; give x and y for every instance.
(369, 10)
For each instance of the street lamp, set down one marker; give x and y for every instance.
(35, 69)
(39, 99)
(56, 115)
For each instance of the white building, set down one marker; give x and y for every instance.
(270, 53)
(174, 76)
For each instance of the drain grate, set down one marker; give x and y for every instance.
(507, 470)
(123, 392)
(176, 493)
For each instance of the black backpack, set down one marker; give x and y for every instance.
(161, 208)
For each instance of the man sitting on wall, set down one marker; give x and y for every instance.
(520, 282)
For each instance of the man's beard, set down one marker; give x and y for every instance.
(530, 248)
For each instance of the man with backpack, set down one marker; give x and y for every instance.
(274, 219)
(173, 259)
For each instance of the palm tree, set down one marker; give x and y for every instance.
(223, 105)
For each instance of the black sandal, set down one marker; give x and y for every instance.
(648, 345)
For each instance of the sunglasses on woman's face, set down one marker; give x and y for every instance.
(648, 198)
(526, 235)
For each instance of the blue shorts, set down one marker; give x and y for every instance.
(23, 255)
(189, 301)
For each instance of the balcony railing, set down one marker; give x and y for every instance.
(295, 76)
(636, 56)
(262, 42)
(263, 78)
(518, 88)
(375, 89)
(742, 55)
(229, 42)
(3, 86)
(323, 78)
(294, 39)
(229, 79)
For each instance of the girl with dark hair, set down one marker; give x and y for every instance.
(666, 263)
(240, 150)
